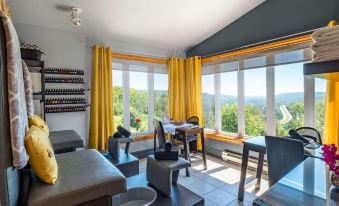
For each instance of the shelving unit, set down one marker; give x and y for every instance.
(59, 103)
(36, 66)
(326, 70)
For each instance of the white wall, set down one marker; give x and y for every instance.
(73, 50)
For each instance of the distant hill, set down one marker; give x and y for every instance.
(283, 98)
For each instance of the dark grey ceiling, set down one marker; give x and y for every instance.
(272, 19)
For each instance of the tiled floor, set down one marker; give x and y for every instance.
(219, 183)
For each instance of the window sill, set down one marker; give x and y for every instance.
(225, 137)
(210, 134)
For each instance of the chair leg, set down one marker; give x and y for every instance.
(259, 170)
(243, 172)
(175, 175)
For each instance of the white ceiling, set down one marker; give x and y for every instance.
(169, 24)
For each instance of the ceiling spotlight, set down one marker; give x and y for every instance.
(75, 16)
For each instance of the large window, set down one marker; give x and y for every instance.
(320, 97)
(229, 106)
(140, 94)
(160, 95)
(289, 97)
(255, 101)
(138, 91)
(208, 100)
(117, 96)
(263, 95)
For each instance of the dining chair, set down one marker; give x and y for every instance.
(283, 154)
(310, 133)
(159, 134)
(191, 140)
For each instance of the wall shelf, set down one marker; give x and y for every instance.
(76, 80)
(61, 109)
(326, 70)
(62, 71)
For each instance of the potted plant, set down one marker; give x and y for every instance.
(137, 123)
(331, 157)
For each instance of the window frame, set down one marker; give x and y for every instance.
(309, 98)
(126, 96)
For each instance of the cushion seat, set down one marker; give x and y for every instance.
(83, 176)
(66, 140)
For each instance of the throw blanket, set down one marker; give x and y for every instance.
(28, 90)
(16, 94)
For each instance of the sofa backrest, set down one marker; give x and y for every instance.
(9, 176)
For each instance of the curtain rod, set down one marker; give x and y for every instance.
(260, 43)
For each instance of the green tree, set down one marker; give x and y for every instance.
(229, 118)
(254, 120)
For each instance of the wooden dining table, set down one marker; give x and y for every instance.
(185, 130)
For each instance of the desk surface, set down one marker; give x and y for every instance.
(259, 142)
(307, 184)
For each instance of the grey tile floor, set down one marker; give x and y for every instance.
(219, 183)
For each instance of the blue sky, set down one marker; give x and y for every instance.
(288, 78)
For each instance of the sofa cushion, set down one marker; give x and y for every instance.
(83, 176)
(41, 155)
(65, 139)
(38, 122)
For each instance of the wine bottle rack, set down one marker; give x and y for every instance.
(61, 109)
(65, 91)
(76, 80)
(52, 70)
(56, 101)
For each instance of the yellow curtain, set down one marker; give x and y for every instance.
(101, 119)
(193, 91)
(176, 89)
(184, 92)
(331, 127)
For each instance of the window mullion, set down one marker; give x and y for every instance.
(126, 96)
(241, 99)
(217, 96)
(270, 99)
(150, 80)
(309, 102)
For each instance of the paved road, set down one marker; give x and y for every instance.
(286, 115)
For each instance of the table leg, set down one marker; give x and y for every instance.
(244, 163)
(259, 170)
(186, 152)
(203, 149)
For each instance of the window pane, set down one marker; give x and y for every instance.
(229, 108)
(160, 95)
(289, 97)
(320, 98)
(138, 101)
(255, 101)
(208, 100)
(117, 97)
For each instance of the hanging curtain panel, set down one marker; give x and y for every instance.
(176, 89)
(101, 119)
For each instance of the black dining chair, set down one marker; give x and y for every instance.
(191, 140)
(159, 134)
(310, 133)
(283, 154)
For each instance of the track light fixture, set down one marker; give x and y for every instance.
(75, 16)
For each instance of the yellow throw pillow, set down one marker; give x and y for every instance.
(41, 155)
(38, 122)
